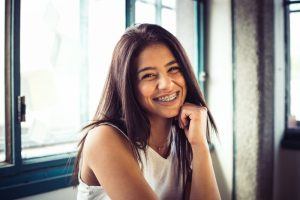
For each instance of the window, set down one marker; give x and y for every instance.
(60, 51)
(292, 21)
(160, 12)
(65, 64)
(51, 56)
(57, 55)
(294, 65)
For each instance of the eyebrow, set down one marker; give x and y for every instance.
(149, 68)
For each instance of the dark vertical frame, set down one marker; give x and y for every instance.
(13, 160)
(130, 12)
(15, 81)
(287, 60)
(200, 50)
(7, 84)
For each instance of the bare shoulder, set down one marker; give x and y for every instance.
(105, 139)
(109, 156)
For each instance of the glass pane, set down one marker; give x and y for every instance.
(294, 7)
(148, 1)
(169, 3)
(295, 67)
(144, 13)
(66, 48)
(2, 113)
(168, 20)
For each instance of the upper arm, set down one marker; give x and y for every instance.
(112, 161)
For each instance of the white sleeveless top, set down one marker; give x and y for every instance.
(162, 175)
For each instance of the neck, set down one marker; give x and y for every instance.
(160, 131)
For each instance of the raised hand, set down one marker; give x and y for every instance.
(193, 119)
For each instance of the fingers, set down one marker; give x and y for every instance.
(184, 118)
(190, 112)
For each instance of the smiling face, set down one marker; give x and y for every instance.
(161, 87)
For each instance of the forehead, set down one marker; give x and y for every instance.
(154, 55)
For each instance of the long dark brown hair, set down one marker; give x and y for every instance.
(119, 104)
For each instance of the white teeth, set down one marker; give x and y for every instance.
(168, 98)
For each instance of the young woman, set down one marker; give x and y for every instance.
(148, 139)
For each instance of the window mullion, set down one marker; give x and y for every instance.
(130, 12)
(287, 60)
(15, 82)
(7, 77)
(200, 24)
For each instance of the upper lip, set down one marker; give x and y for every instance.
(168, 94)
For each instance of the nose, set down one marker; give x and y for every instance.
(165, 82)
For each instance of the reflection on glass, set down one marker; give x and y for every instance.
(65, 51)
(168, 20)
(144, 12)
(295, 65)
(2, 122)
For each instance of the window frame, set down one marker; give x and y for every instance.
(21, 178)
(200, 10)
(291, 137)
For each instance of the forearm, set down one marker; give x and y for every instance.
(204, 184)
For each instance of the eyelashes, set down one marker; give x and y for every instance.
(152, 76)
(174, 69)
(148, 76)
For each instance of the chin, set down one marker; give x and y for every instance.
(170, 114)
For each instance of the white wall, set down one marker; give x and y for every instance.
(185, 28)
(220, 89)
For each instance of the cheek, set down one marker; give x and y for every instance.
(184, 89)
(181, 82)
(145, 90)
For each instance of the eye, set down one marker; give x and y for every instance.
(174, 69)
(148, 76)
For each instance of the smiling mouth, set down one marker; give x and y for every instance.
(167, 98)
